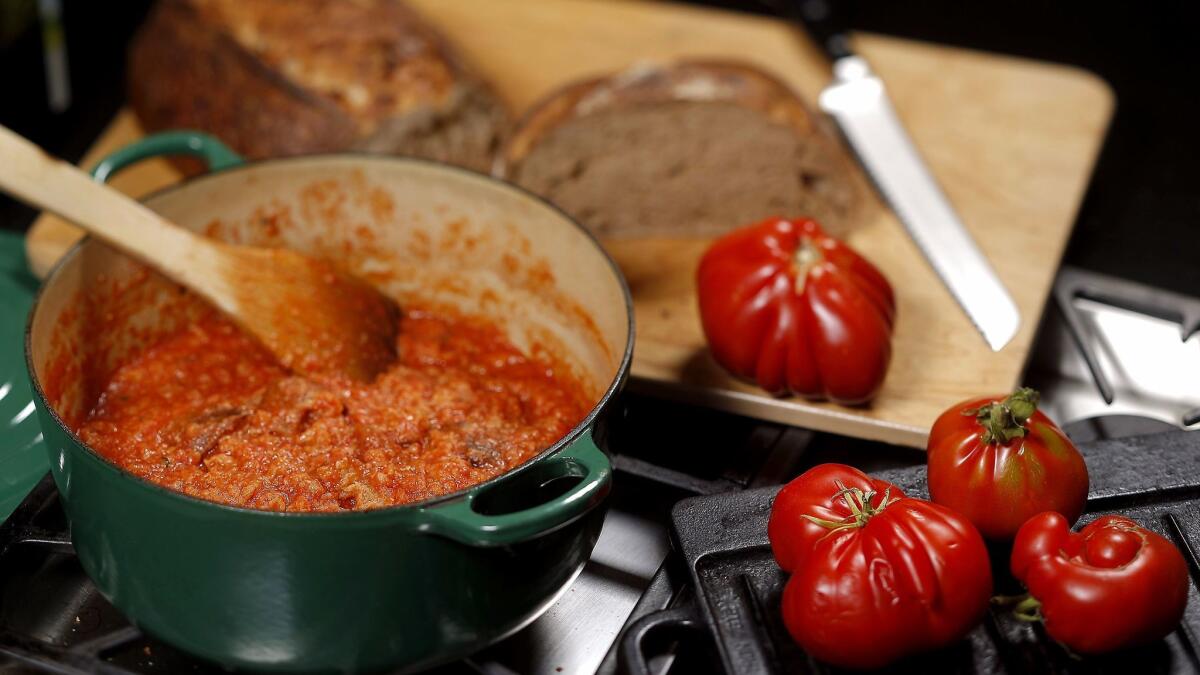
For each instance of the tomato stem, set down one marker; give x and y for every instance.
(1004, 421)
(861, 509)
(1028, 609)
(1025, 607)
(806, 257)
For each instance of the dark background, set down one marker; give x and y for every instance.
(1141, 217)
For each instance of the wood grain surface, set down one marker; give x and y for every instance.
(1012, 142)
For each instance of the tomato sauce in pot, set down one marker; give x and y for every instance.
(208, 412)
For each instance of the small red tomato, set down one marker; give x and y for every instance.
(796, 310)
(1114, 584)
(1001, 461)
(878, 576)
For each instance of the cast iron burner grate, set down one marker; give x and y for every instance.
(1112, 347)
(1073, 284)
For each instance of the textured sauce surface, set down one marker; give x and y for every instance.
(207, 411)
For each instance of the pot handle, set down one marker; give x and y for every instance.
(216, 155)
(459, 520)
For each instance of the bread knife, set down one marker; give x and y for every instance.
(858, 102)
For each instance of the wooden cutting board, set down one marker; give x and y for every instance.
(1012, 142)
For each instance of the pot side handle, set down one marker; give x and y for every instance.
(459, 520)
(216, 155)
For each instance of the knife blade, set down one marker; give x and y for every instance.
(858, 102)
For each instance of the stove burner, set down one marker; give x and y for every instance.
(1074, 284)
(1115, 347)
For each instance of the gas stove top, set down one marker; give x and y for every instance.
(1113, 359)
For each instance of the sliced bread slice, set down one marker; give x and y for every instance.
(691, 148)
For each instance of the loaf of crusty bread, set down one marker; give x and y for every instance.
(691, 148)
(288, 77)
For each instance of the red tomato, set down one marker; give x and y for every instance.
(1114, 584)
(1001, 461)
(816, 494)
(796, 310)
(879, 576)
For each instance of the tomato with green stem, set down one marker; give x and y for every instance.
(999, 461)
(1112, 585)
(876, 576)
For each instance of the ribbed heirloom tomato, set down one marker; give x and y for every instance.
(796, 310)
(876, 576)
(1000, 461)
(1114, 584)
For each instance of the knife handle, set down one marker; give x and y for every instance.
(826, 22)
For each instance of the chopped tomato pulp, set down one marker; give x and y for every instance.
(209, 412)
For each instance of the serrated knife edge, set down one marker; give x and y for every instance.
(858, 102)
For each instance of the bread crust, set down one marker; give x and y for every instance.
(286, 77)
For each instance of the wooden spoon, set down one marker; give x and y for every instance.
(311, 316)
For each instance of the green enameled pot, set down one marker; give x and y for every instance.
(409, 586)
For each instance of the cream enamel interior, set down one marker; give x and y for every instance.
(423, 232)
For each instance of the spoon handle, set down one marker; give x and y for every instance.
(31, 176)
